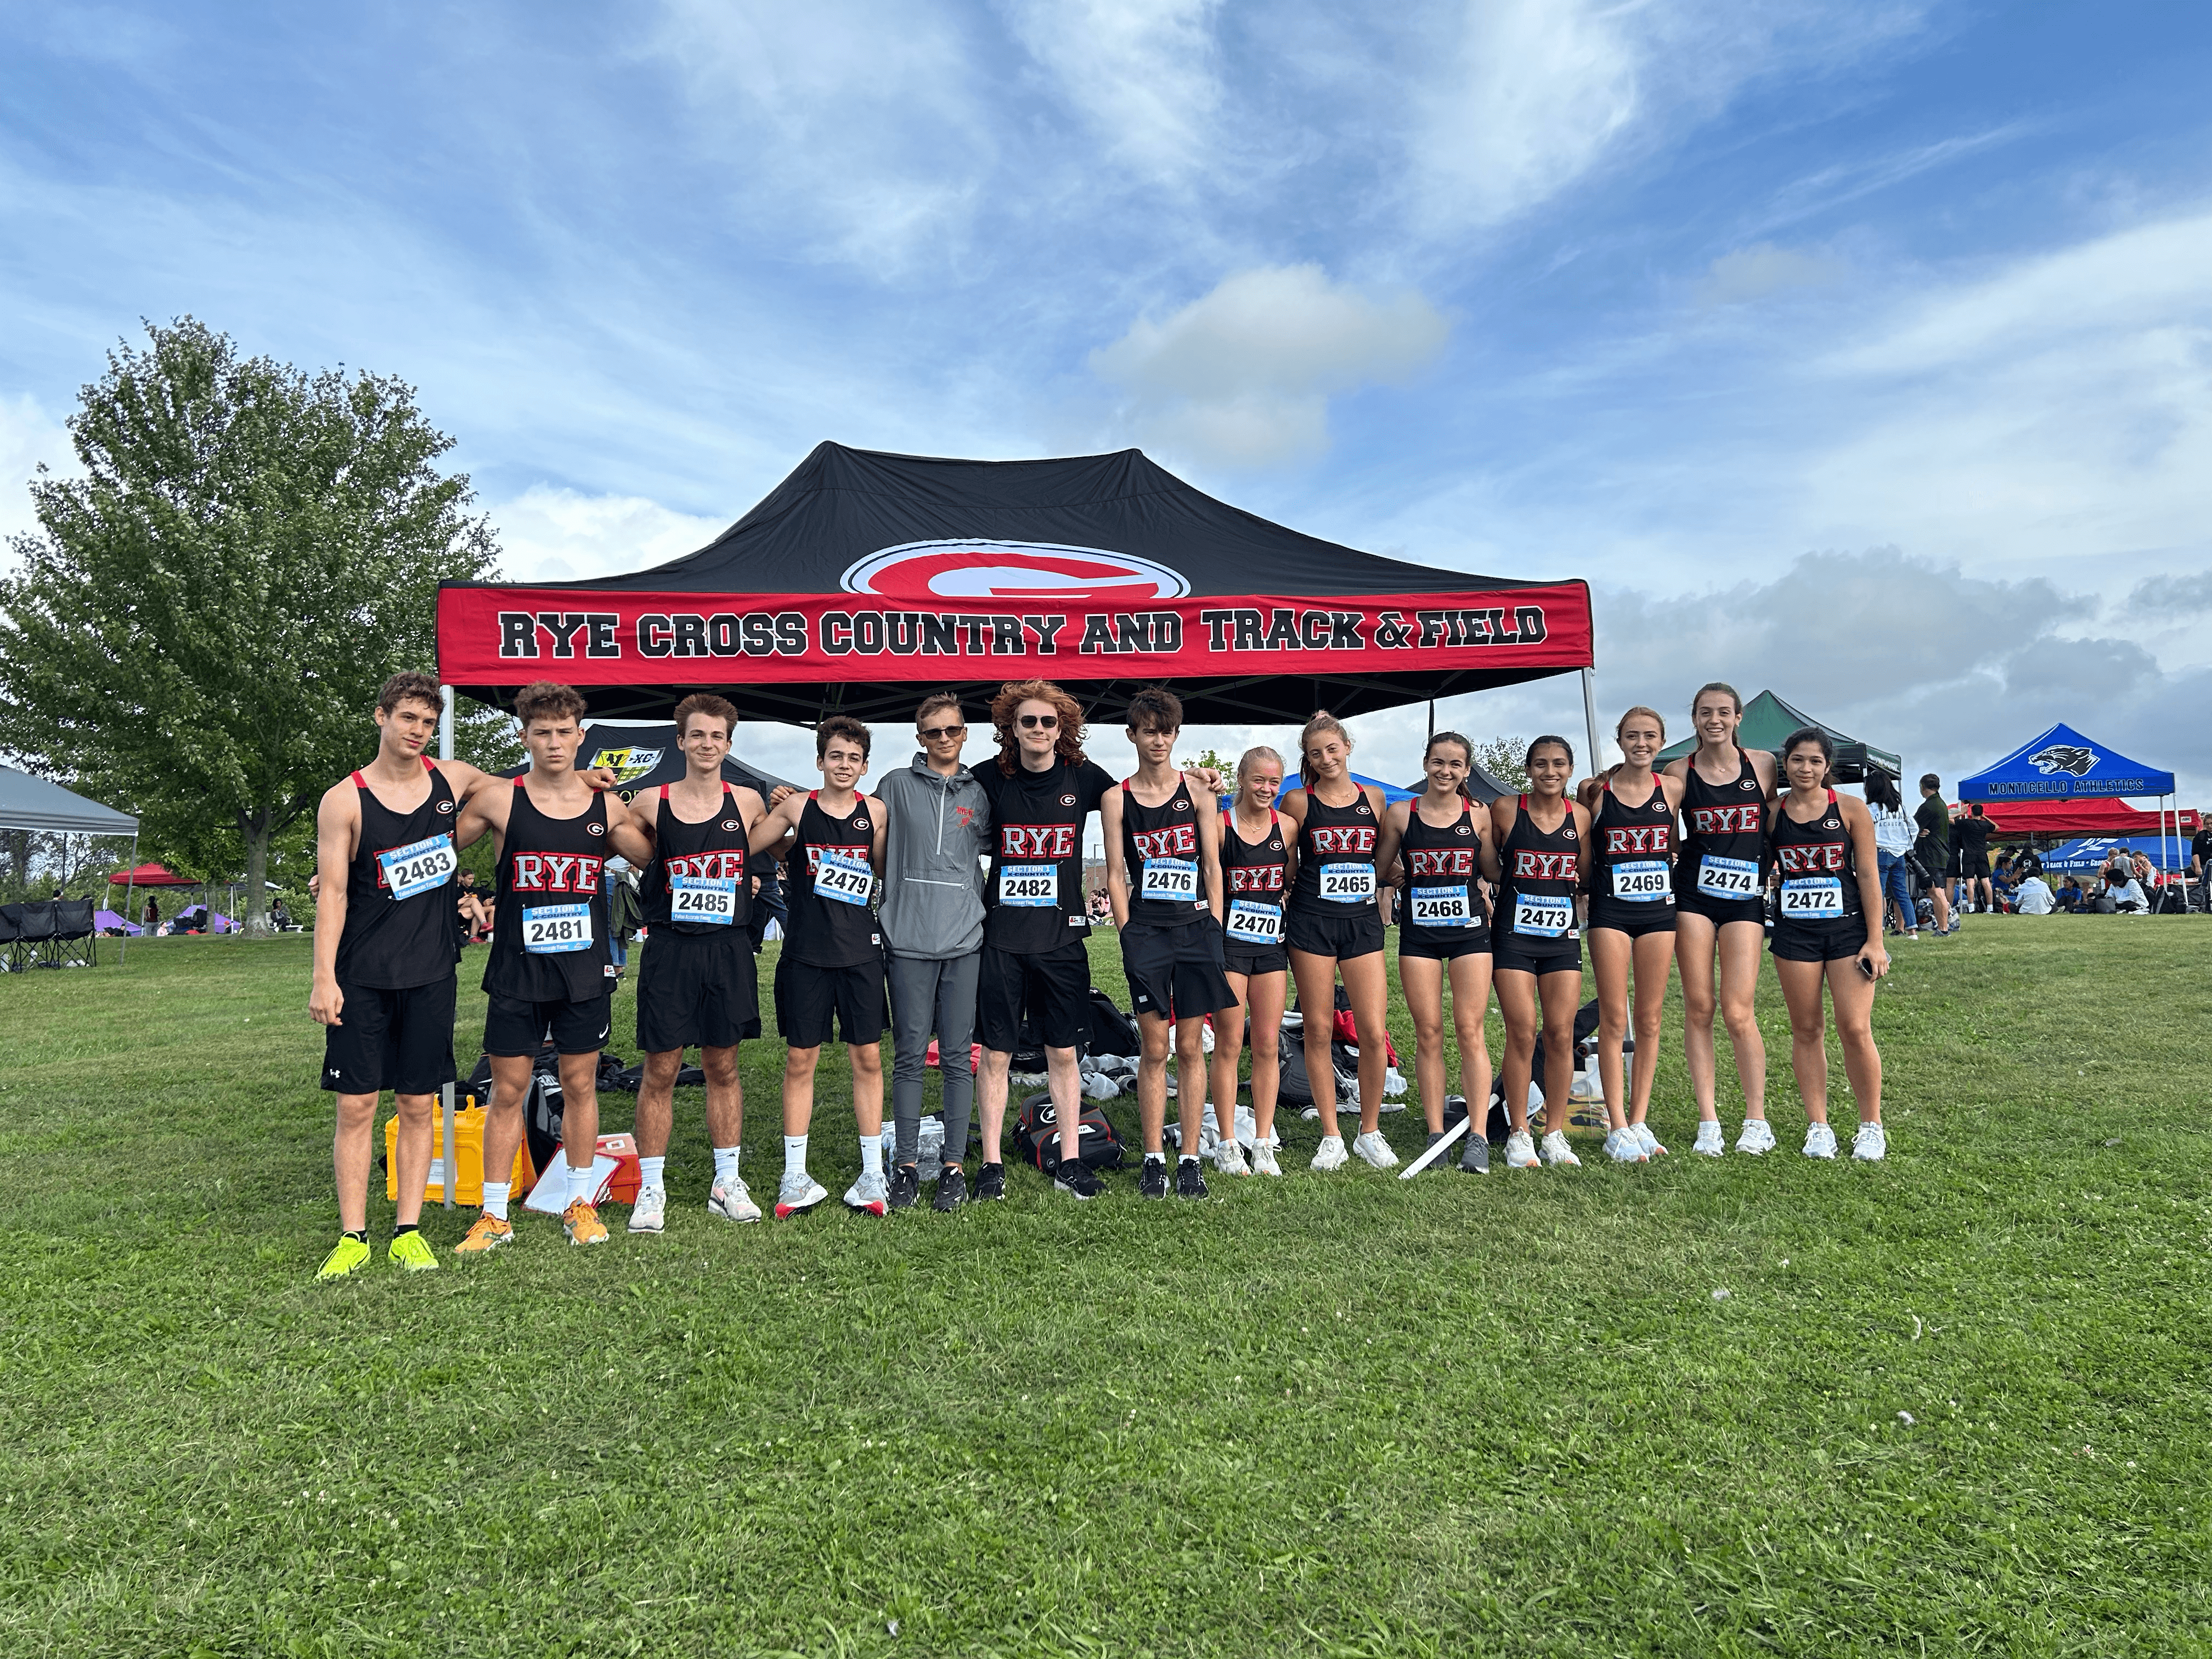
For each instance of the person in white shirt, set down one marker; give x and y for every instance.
(2117, 893)
(2034, 897)
(1893, 834)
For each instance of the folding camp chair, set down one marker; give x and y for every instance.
(36, 931)
(75, 944)
(11, 937)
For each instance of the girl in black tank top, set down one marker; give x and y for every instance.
(1537, 951)
(399, 930)
(1820, 875)
(1632, 863)
(1336, 857)
(1253, 891)
(1159, 852)
(1253, 884)
(697, 882)
(549, 938)
(829, 883)
(1439, 870)
(1723, 838)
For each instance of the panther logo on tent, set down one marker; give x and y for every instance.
(2076, 760)
(1016, 572)
(629, 764)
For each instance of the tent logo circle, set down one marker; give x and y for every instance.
(1041, 573)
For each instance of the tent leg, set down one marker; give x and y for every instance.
(130, 886)
(445, 1104)
(1589, 718)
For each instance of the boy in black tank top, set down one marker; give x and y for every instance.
(550, 971)
(830, 976)
(1163, 879)
(387, 839)
(697, 985)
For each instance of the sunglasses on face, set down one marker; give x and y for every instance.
(933, 733)
(1032, 721)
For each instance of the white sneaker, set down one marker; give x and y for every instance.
(1556, 1149)
(1376, 1150)
(1871, 1143)
(1757, 1137)
(1647, 1140)
(871, 1194)
(1622, 1146)
(1330, 1155)
(1711, 1142)
(731, 1201)
(1819, 1140)
(1263, 1160)
(1229, 1158)
(795, 1193)
(1520, 1151)
(649, 1214)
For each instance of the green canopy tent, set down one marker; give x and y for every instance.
(1767, 723)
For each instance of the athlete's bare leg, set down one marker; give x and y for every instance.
(1367, 984)
(1741, 947)
(1516, 1001)
(1654, 961)
(1155, 1039)
(1228, 1043)
(991, 1101)
(1269, 993)
(1695, 946)
(1190, 1084)
(1316, 977)
(353, 1151)
(1562, 994)
(1422, 979)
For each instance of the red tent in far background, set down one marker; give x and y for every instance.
(2087, 816)
(151, 875)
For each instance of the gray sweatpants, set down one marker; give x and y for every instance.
(933, 995)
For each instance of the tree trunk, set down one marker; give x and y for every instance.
(256, 874)
(18, 843)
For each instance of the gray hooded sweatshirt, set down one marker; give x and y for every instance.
(938, 835)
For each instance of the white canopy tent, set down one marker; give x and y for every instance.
(40, 805)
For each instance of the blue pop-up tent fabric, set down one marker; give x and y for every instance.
(1392, 794)
(2089, 855)
(2063, 765)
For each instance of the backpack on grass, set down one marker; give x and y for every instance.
(1036, 1131)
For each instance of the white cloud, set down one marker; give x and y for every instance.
(1141, 72)
(1754, 272)
(29, 437)
(1242, 376)
(555, 535)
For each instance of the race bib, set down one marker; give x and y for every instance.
(1543, 915)
(1031, 886)
(1645, 882)
(845, 876)
(697, 898)
(1347, 884)
(418, 868)
(1812, 898)
(550, 929)
(1441, 907)
(1255, 923)
(1727, 878)
(1175, 880)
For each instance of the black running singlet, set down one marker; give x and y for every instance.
(1336, 858)
(1440, 869)
(1818, 865)
(830, 885)
(1540, 870)
(1633, 881)
(400, 893)
(697, 882)
(549, 941)
(1723, 834)
(1034, 892)
(1252, 883)
(1159, 855)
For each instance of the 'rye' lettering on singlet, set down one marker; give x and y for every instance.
(1348, 838)
(1818, 859)
(1727, 820)
(726, 866)
(1531, 865)
(1255, 877)
(557, 873)
(1443, 861)
(1043, 841)
(1178, 841)
(1640, 838)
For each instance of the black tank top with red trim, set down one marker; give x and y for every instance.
(1252, 883)
(1159, 856)
(1336, 858)
(549, 941)
(830, 885)
(1540, 870)
(1724, 835)
(1818, 865)
(684, 888)
(1440, 870)
(401, 891)
(1633, 880)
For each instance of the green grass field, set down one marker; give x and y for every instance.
(1339, 1415)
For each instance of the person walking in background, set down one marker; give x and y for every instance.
(1934, 848)
(1893, 840)
(153, 913)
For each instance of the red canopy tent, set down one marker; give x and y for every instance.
(2088, 816)
(151, 875)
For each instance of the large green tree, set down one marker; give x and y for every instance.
(203, 625)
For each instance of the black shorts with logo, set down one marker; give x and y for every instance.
(1529, 955)
(402, 1041)
(1052, 987)
(807, 997)
(513, 1026)
(1832, 940)
(1344, 931)
(1720, 912)
(697, 991)
(1249, 959)
(1176, 971)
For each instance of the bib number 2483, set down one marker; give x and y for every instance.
(419, 867)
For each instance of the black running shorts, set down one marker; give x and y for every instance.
(1437, 944)
(1052, 987)
(697, 991)
(1623, 919)
(1176, 971)
(515, 1027)
(1820, 941)
(1347, 934)
(1540, 957)
(807, 997)
(1253, 959)
(1720, 912)
(402, 1041)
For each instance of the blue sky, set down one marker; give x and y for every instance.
(1863, 350)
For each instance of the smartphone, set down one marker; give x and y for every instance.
(1866, 967)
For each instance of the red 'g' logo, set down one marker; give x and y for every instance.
(1040, 572)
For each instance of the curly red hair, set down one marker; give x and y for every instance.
(1068, 745)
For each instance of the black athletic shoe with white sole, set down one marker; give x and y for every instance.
(1190, 1179)
(951, 1190)
(1153, 1183)
(1074, 1178)
(906, 1186)
(990, 1183)
(1476, 1160)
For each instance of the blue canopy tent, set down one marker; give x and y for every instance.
(2063, 765)
(1392, 794)
(2091, 851)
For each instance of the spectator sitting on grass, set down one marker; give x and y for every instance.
(2119, 893)
(2069, 898)
(2033, 898)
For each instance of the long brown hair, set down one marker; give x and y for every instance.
(1068, 745)
(1465, 748)
(1321, 721)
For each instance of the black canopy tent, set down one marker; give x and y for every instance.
(863, 576)
(1767, 724)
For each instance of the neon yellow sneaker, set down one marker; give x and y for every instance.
(410, 1251)
(488, 1233)
(583, 1222)
(349, 1254)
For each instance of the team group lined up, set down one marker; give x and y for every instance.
(949, 904)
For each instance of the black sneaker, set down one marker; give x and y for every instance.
(1074, 1176)
(1476, 1160)
(1190, 1178)
(906, 1186)
(990, 1183)
(952, 1189)
(1153, 1183)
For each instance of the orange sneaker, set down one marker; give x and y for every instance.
(488, 1233)
(583, 1222)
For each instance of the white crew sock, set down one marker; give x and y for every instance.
(495, 1198)
(871, 1154)
(725, 1164)
(1188, 1158)
(580, 1184)
(794, 1155)
(649, 1171)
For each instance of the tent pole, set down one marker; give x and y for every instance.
(130, 882)
(1590, 717)
(445, 1099)
(1432, 731)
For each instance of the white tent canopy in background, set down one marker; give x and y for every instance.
(30, 803)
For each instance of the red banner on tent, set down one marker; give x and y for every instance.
(505, 636)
